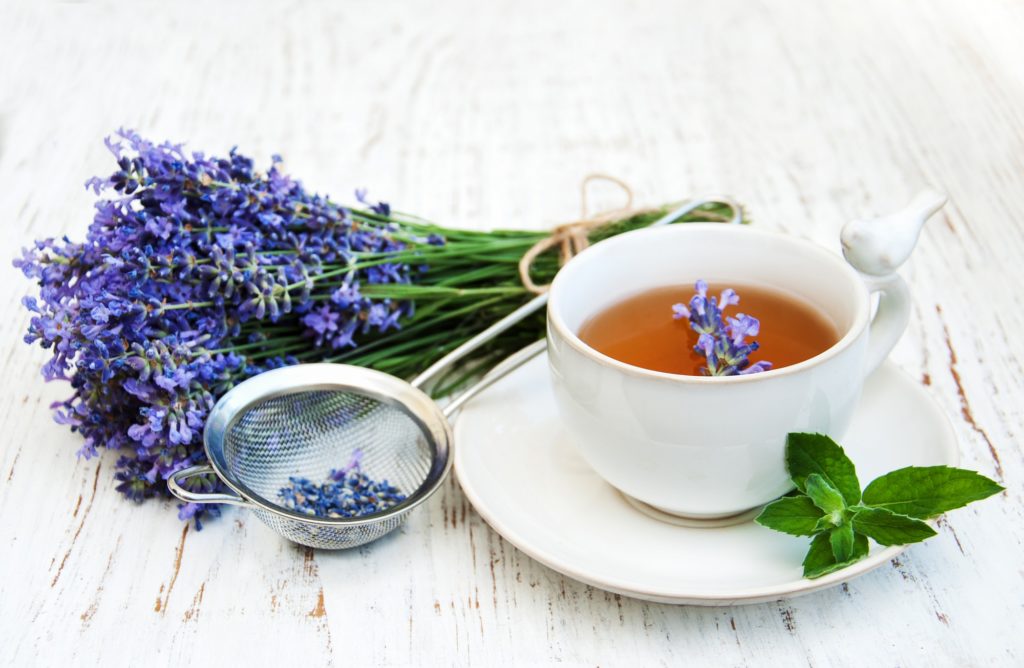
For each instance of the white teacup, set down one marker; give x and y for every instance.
(703, 447)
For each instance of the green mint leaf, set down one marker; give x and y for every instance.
(887, 528)
(817, 453)
(824, 494)
(826, 523)
(841, 540)
(926, 491)
(820, 559)
(795, 515)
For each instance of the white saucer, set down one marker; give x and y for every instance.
(516, 465)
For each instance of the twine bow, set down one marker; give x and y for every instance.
(573, 238)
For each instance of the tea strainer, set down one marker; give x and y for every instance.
(305, 420)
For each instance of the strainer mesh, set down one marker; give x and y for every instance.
(306, 434)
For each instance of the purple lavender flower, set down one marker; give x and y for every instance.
(722, 343)
(742, 326)
(323, 322)
(383, 208)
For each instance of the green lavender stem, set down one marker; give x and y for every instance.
(471, 281)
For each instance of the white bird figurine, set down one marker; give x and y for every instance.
(878, 246)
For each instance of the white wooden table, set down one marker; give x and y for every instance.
(488, 114)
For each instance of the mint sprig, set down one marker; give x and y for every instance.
(831, 508)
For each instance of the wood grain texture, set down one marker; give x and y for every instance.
(486, 115)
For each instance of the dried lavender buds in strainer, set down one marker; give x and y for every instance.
(347, 492)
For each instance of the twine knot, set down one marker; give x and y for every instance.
(573, 238)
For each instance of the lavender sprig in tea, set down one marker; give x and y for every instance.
(721, 340)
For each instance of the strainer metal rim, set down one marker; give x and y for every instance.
(303, 378)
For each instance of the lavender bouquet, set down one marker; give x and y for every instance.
(198, 272)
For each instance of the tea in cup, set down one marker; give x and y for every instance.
(710, 447)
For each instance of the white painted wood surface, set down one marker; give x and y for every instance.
(488, 114)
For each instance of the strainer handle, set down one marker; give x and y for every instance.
(504, 368)
(193, 497)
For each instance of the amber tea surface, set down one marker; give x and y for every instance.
(640, 330)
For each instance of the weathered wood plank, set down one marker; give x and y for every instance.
(487, 115)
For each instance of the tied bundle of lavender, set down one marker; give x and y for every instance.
(198, 272)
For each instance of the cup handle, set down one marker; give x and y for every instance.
(876, 248)
(890, 319)
(174, 485)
